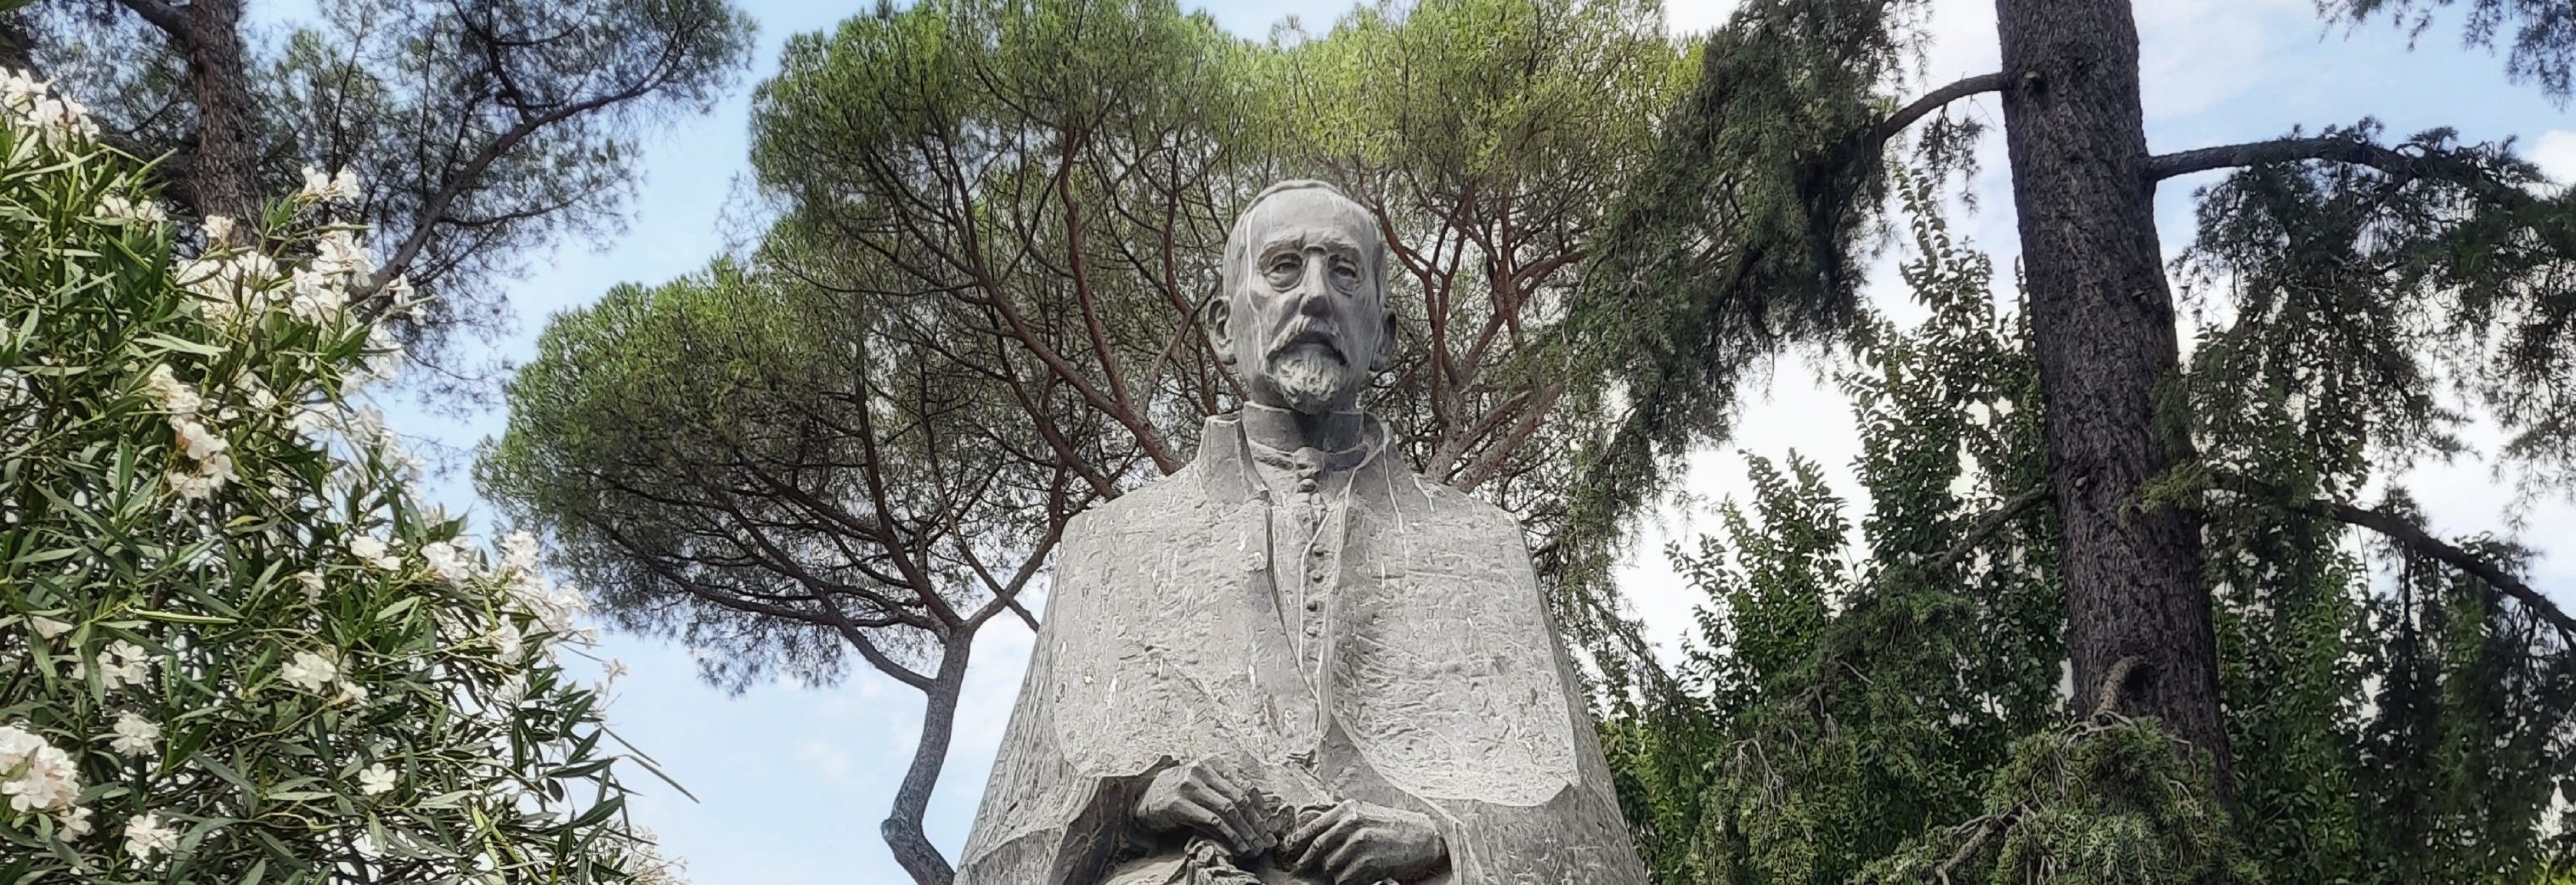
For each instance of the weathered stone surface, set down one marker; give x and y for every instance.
(1295, 661)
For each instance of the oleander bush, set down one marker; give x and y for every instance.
(233, 647)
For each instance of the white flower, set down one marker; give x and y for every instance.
(319, 295)
(145, 836)
(376, 780)
(310, 671)
(40, 775)
(231, 286)
(195, 440)
(519, 553)
(616, 669)
(320, 187)
(351, 692)
(173, 394)
(339, 251)
(371, 550)
(400, 298)
(312, 581)
(447, 560)
(211, 474)
(384, 354)
(218, 229)
(134, 735)
(505, 639)
(20, 89)
(61, 118)
(48, 627)
(75, 823)
(115, 207)
(124, 663)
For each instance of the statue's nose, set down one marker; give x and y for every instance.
(1315, 295)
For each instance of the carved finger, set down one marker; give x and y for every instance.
(1250, 838)
(1201, 818)
(1345, 826)
(1353, 857)
(1224, 786)
(1301, 844)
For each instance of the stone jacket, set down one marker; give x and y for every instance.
(1445, 689)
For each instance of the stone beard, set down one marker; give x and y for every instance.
(1295, 662)
(1308, 377)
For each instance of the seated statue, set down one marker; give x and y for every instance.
(1295, 660)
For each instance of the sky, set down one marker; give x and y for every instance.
(791, 780)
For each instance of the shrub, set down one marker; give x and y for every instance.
(233, 647)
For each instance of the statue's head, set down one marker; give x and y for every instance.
(1301, 314)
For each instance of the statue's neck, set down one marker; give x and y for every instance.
(1288, 430)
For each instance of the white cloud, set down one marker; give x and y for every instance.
(1697, 16)
(2555, 151)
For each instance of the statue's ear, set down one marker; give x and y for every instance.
(1385, 346)
(1216, 316)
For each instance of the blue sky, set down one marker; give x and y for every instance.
(791, 780)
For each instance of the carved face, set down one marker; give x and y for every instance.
(1303, 318)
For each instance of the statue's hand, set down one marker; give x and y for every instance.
(1200, 796)
(1356, 843)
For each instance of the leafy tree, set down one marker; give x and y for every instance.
(1838, 702)
(1890, 713)
(233, 646)
(2427, 257)
(741, 461)
(486, 129)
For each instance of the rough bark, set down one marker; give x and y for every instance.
(220, 172)
(16, 45)
(902, 828)
(2104, 322)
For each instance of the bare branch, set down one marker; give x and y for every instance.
(2413, 537)
(162, 15)
(1935, 100)
(1991, 522)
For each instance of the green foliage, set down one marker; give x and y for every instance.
(2373, 312)
(1747, 234)
(1842, 702)
(1844, 719)
(738, 460)
(232, 646)
(2102, 802)
(486, 131)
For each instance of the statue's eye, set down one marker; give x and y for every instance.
(1345, 273)
(1283, 270)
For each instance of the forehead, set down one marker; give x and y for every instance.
(1309, 218)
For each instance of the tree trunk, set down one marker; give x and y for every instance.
(220, 175)
(15, 44)
(902, 827)
(2103, 318)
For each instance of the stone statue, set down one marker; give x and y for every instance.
(1296, 662)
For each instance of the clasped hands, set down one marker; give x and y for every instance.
(1349, 843)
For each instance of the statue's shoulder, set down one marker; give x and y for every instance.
(1413, 491)
(1161, 506)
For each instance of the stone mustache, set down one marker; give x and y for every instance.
(1295, 662)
